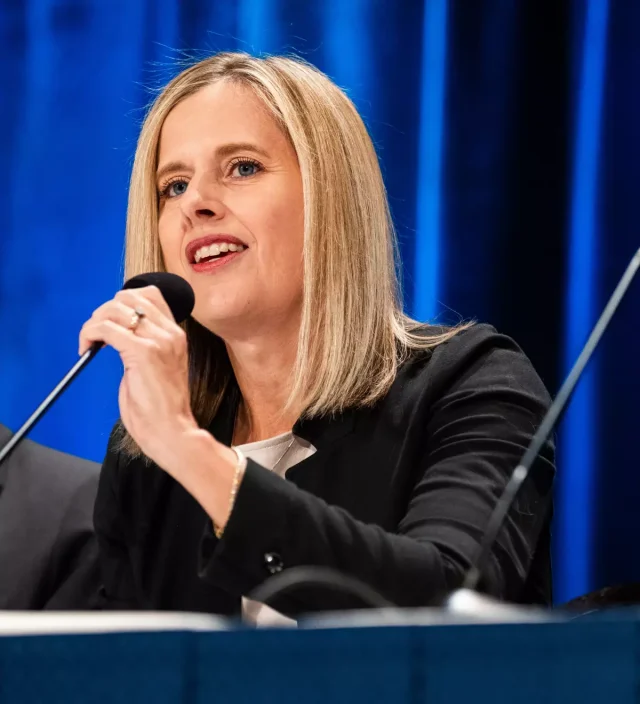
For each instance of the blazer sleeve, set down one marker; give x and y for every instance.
(116, 589)
(474, 436)
(74, 571)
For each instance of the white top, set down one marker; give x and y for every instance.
(279, 453)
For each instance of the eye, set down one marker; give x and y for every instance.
(243, 168)
(173, 188)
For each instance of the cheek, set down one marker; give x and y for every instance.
(281, 222)
(282, 258)
(170, 240)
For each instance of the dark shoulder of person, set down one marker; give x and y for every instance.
(47, 543)
(491, 358)
(475, 389)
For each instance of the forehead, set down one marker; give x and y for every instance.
(217, 114)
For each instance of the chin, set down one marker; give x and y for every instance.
(217, 319)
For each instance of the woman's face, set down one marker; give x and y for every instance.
(231, 211)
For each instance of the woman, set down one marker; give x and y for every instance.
(256, 181)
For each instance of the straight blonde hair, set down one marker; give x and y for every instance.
(353, 332)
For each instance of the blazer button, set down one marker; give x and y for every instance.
(273, 562)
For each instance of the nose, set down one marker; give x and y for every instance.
(204, 213)
(200, 203)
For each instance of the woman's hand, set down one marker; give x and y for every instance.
(154, 393)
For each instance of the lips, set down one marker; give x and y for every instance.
(206, 241)
(211, 265)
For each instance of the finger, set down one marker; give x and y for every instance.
(113, 310)
(144, 298)
(154, 294)
(120, 338)
(123, 312)
(126, 319)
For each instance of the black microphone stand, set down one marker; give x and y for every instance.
(45, 405)
(467, 600)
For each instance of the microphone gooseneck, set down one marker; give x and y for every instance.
(179, 297)
(521, 472)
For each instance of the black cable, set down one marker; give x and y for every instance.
(296, 577)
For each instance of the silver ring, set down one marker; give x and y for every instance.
(137, 316)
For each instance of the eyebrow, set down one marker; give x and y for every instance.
(221, 152)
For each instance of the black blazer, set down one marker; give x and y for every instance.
(397, 495)
(48, 552)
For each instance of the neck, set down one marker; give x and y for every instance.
(262, 367)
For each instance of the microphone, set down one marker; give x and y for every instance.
(179, 297)
(467, 600)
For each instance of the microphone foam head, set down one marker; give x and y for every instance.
(174, 289)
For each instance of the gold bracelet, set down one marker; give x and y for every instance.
(240, 466)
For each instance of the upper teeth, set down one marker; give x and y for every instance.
(215, 249)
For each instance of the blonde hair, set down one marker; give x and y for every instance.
(353, 332)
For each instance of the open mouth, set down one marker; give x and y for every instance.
(215, 252)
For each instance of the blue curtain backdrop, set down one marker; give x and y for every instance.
(508, 137)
